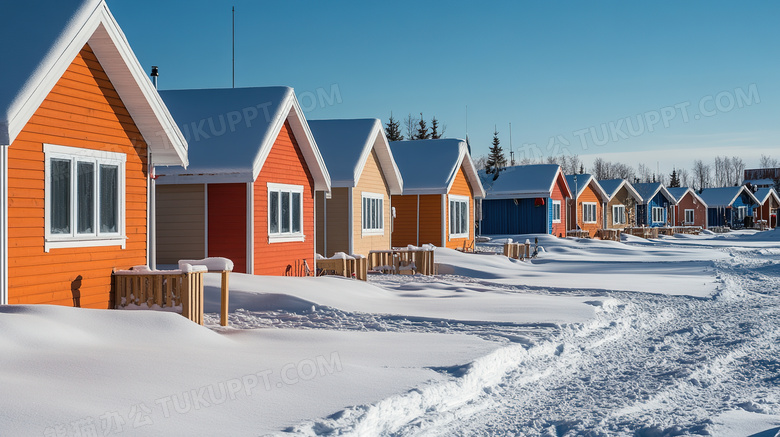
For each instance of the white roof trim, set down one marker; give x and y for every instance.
(770, 193)
(378, 141)
(558, 175)
(290, 110)
(629, 188)
(101, 31)
(597, 187)
(663, 191)
(464, 160)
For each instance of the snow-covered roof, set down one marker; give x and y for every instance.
(523, 181)
(763, 195)
(679, 192)
(648, 190)
(231, 132)
(430, 166)
(345, 146)
(760, 182)
(41, 41)
(583, 180)
(724, 196)
(612, 186)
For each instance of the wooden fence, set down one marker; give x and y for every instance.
(402, 261)
(349, 268)
(519, 251)
(161, 288)
(643, 232)
(578, 233)
(608, 234)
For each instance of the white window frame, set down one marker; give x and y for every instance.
(741, 212)
(660, 211)
(586, 215)
(377, 199)
(74, 238)
(285, 237)
(619, 218)
(556, 211)
(693, 216)
(458, 199)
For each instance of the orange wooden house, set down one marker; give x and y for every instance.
(248, 194)
(589, 200)
(79, 127)
(440, 185)
(356, 217)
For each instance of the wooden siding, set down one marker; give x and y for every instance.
(371, 180)
(688, 201)
(337, 232)
(514, 216)
(559, 229)
(588, 195)
(405, 226)
(227, 223)
(82, 110)
(763, 212)
(285, 165)
(181, 222)
(622, 198)
(460, 187)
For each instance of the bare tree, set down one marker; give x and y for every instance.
(643, 173)
(701, 174)
(573, 164)
(737, 170)
(410, 124)
(622, 171)
(684, 177)
(768, 162)
(480, 162)
(600, 169)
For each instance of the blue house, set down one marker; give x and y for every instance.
(655, 209)
(729, 206)
(525, 199)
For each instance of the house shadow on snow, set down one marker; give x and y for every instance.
(768, 433)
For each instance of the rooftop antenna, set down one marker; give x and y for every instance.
(511, 152)
(234, 46)
(154, 75)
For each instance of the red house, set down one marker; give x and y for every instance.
(80, 126)
(248, 194)
(690, 209)
(769, 202)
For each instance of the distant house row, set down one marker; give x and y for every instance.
(540, 199)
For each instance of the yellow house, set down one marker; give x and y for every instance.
(357, 215)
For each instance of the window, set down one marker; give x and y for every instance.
(618, 214)
(689, 216)
(741, 212)
(459, 217)
(373, 214)
(285, 217)
(556, 211)
(588, 212)
(658, 214)
(84, 194)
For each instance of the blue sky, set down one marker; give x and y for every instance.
(662, 83)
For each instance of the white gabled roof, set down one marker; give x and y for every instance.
(724, 196)
(583, 180)
(763, 194)
(39, 44)
(679, 192)
(612, 186)
(430, 166)
(523, 181)
(345, 146)
(648, 190)
(231, 132)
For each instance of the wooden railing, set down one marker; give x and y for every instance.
(349, 268)
(578, 233)
(402, 261)
(161, 289)
(519, 251)
(643, 232)
(608, 234)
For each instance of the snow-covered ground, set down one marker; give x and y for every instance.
(675, 336)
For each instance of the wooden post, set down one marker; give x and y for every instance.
(223, 314)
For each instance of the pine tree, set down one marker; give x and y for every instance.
(496, 159)
(582, 169)
(393, 129)
(674, 180)
(435, 135)
(422, 130)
